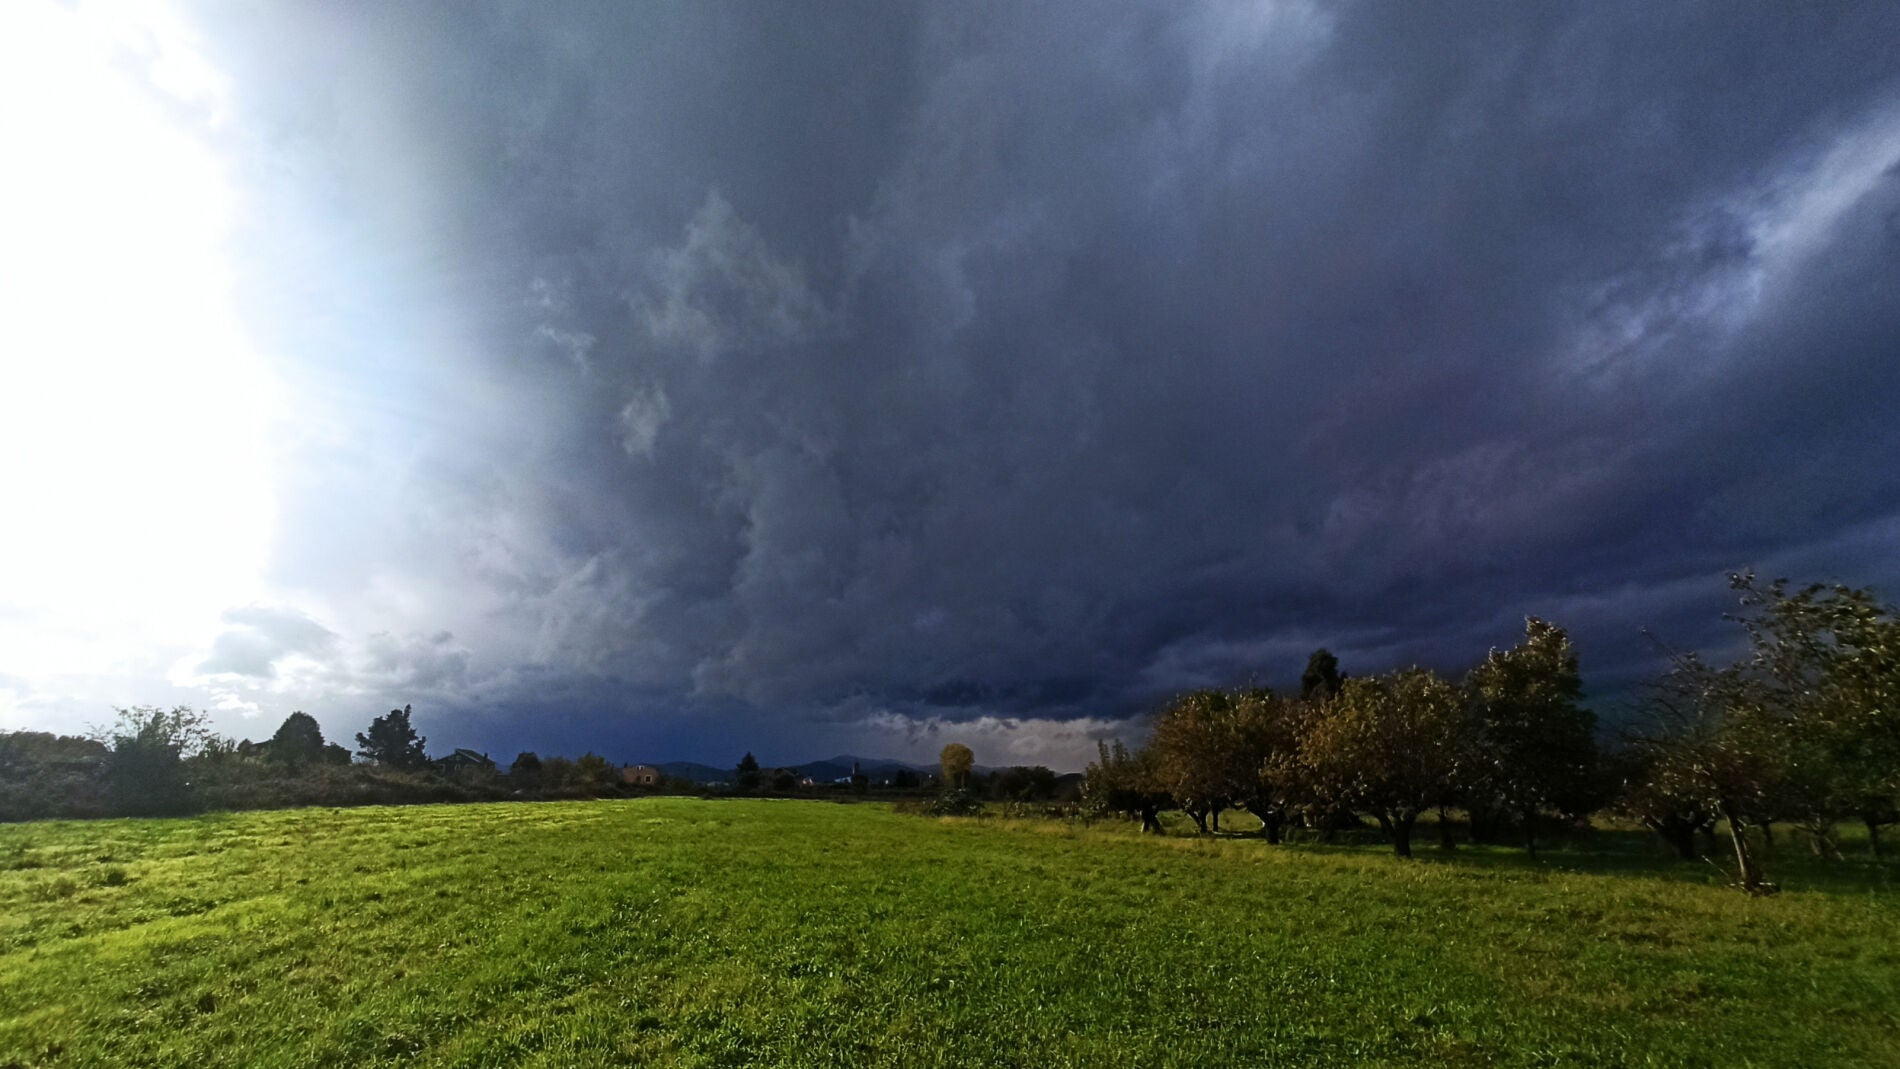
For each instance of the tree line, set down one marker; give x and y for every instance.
(1803, 728)
(155, 761)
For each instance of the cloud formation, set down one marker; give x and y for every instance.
(257, 637)
(850, 376)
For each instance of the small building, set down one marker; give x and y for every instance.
(640, 775)
(462, 759)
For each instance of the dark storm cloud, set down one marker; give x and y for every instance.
(955, 361)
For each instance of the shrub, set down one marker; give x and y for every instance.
(961, 803)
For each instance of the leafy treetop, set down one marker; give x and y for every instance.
(392, 741)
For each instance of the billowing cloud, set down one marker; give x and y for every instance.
(695, 376)
(257, 637)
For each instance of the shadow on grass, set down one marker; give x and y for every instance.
(1616, 851)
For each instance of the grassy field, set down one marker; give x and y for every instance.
(706, 933)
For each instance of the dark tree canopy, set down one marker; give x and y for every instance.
(1023, 783)
(392, 741)
(1824, 665)
(298, 741)
(1321, 679)
(1803, 728)
(146, 768)
(23, 750)
(1124, 781)
(41, 774)
(1536, 742)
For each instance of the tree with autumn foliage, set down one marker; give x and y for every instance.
(1123, 781)
(956, 762)
(1196, 756)
(1389, 745)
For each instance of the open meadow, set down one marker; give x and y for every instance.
(681, 932)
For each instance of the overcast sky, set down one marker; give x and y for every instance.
(672, 381)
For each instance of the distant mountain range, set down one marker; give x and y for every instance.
(826, 771)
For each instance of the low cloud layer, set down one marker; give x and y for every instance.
(721, 377)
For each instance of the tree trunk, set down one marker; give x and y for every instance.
(1329, 826)
(1270, 820)
(1482, 822)
(1530, 831)
(1711, 842)
(1745, 857)
(1445, 839)
(1679, 834)
(1151, 819)
(1385, 826)
(1199, 816)
(1821, 839)
(1216, 817)
(1401, 828)
(1873, 836)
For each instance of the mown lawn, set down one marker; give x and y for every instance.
(680, 932)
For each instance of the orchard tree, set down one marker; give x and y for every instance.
(1123, 782)
(1214, 749)
(1825, 661)
(748, 772)
(1712, 746)
(1682, 819)
(1195, 757)
(1266, 729)
(956, 761)
(392, 741)
(1389, 745)
(1805, 727)
(1535, 744)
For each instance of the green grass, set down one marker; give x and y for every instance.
(680, 932)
